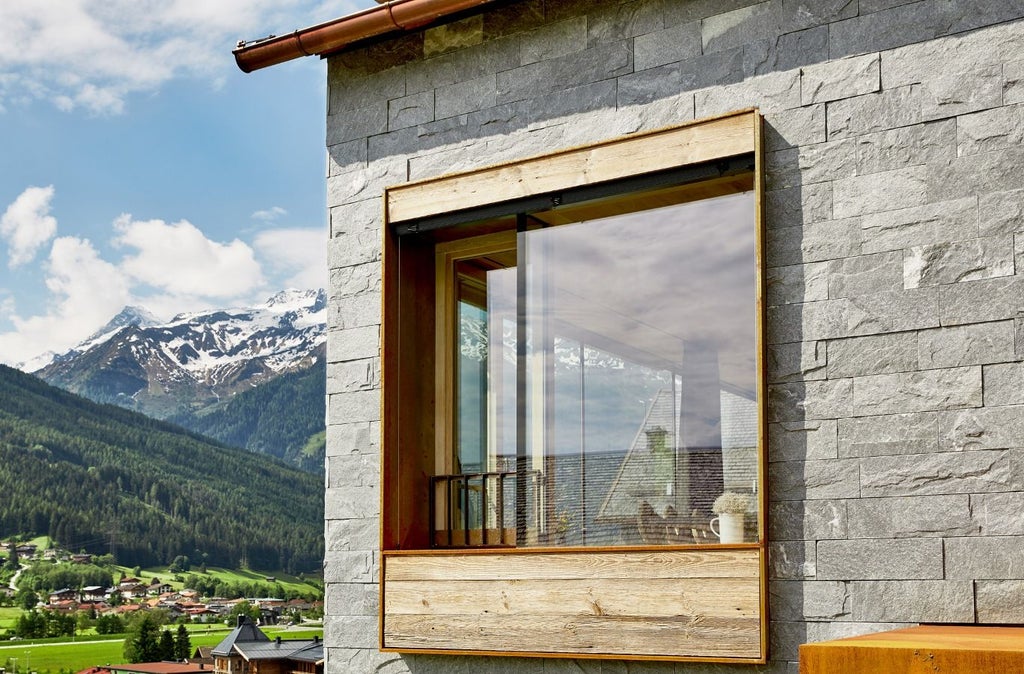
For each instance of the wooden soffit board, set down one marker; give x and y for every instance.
(628, 156)
(673, 604)
(925, 649)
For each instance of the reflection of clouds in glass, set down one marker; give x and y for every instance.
(649, 282)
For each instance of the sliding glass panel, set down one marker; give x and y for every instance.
(640, 370)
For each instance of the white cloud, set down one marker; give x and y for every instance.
(93, 55)
(27, 224)
(166, 267)
(86, 292)
(269, 214)
(299, 255)
(178, 259)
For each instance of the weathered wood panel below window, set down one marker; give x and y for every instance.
(672, 604)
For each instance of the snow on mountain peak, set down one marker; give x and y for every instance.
(292, 299)
(281, 333)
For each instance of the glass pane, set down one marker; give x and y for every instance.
(479, 494)
(640, 372)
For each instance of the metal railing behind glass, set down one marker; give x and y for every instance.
(480, 509)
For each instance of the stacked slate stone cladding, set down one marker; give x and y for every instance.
(895, 265)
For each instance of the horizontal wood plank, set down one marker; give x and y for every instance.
(624, 157)
(682, 603)
(547, 566)
(683, 637)
(662, 597)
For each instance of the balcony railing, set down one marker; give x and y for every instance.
(482, 509)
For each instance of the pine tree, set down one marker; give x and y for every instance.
(182, 644)
(166, 645)
(141, 644)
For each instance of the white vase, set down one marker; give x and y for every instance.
(730, 527)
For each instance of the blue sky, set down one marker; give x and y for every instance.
(138, 165)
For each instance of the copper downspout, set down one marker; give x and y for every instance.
(393, 16)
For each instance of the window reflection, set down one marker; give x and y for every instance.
(637, 381)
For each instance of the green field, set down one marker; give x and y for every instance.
(227, 575)
(8, 616)
(51, 658)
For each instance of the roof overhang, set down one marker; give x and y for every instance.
(396, 16)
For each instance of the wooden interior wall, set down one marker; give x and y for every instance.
(675, 604)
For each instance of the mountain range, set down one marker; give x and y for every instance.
(207, 371)
(101, 478)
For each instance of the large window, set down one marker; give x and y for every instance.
(637, 375)
(574, 369)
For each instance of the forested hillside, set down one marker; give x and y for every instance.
(283, 417)
(97, 477)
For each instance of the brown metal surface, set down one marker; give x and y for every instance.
(396, 16)
(920, 650)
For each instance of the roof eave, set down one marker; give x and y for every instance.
(396, 16)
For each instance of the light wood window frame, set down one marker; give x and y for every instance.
(409, 565)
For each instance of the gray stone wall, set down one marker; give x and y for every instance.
(895, 207)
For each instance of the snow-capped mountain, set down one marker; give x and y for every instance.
(195, 360)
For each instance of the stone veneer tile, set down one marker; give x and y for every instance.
(918, 517)
(813, 242)
(870, 559)
(799, 480)
(668, 45)
(941, 601)
(902, 392)
(988, 130)
(906, 146)
(797, 283)
(740, 26)
(998, 601)
(1001, 212)
(976, 174)
(807, 520)
(885, 191)
(971, 472)
(1004, 384)
(872, 354)
(809, 600)
(992, 299)
(791, 559)
(871, 113)
(800, 401)
(802, 440)
(930, 224)
(841, 78)
(976, 344)
(958, 261)
(999, 514)
(865, 275)
(984, 557)
(889, 434)
(795, 361)
(346, 408)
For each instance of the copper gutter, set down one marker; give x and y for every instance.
(390, 17)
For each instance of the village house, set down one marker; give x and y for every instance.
(94, 593)
(247, 649)
(63, 595)
(677, 335)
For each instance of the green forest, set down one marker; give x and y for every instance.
(102, 479)
(283, 417)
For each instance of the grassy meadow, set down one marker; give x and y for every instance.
(51, 658)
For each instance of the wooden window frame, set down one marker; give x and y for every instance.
(408, 561)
